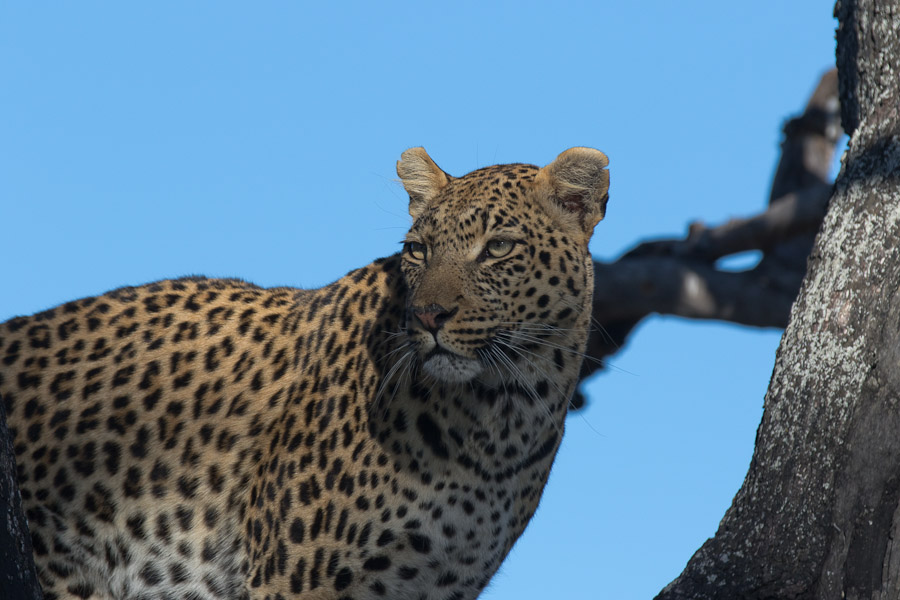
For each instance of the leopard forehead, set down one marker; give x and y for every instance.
(496, 196)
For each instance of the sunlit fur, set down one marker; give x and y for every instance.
(385, 436)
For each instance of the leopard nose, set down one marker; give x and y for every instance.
(433, 316)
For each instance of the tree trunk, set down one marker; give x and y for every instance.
(819, 511)
(17, 573)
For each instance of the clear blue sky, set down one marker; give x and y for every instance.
(140, 141)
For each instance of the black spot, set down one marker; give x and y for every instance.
(182, 381)
(132, 486)
(163, 532)
(343, 579)
(317, 524)
(160, 471)
(215, 479)
(377, 563)
(150, 574)
(387, 536)
(34, 431)
(431, 435)
(211, 362)
(187, 486)
(12, 353)
(37, 542)
(113, 455)
(150, 374)
(210, 517)
(297, 531)
(152, 398)
(420, 543)
(316, 568)
(545, 450)
(544, 257)
(209, 551)
(81, 590)
(178, 573)
(85, 463)
(33, 407)
(297, 577)
(282, 555)
(123, 376)
(558, 359)
(26, 381)
(185, 516)
(191, 303)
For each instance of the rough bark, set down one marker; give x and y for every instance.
(18, 578)
(819, 511)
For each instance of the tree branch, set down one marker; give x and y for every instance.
(680, 277)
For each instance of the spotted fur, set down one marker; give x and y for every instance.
(386, 436)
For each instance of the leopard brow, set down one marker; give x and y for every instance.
(503, 233)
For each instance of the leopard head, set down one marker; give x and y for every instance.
(497, 261)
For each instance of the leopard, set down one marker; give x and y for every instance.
(385, 436)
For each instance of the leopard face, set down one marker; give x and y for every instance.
(493, 264)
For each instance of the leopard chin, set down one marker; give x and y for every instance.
(452, 368)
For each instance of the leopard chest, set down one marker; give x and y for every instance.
(419, 511)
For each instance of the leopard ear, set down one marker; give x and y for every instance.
(578, 183)
(421, 177)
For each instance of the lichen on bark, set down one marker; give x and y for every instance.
(818, 511)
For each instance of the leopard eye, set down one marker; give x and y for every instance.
(499, 248)
(416, 250)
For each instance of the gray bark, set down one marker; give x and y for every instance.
(819, 511)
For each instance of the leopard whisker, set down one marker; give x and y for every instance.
(403, 360)
(522, 352)
(596, 325)
(539, 341)
(525, 384)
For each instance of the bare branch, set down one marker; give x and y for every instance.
(795, 213)
(680, 277)
(634, 287)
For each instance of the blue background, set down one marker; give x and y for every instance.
(145, 141)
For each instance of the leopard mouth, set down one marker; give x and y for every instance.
(446, 365)
(439, 350)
